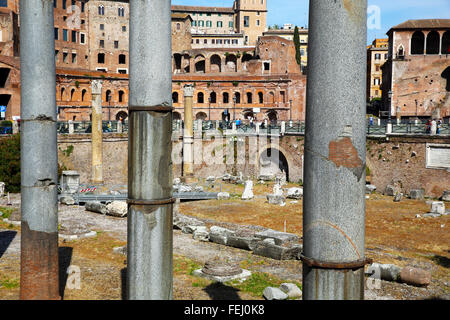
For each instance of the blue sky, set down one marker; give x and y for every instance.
(392, 12)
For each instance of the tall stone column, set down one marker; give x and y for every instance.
(97, 133)
(188, 135)
(335, 152)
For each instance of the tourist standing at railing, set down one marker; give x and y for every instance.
(371, 121)
(438, 126)
(428, 127)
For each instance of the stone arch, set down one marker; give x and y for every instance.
(176, 115)
(200, 64)
(231, 63)
(177, 58)
(200, 97)
(175, 97)
(121, 115)
(186, 63)
(201, 116)
(63, 93)
(272, 115)
(216, 63)
(249, 97)
(72, 94)
(445, 43)
(260, 97)
(237, 95)
(433, 42)
(248, 113)
(213, 97)
(83, 95)
(246, 57)
(446, 75)
(418, 43)
(271, 97)
(225, 97)
(274, 160)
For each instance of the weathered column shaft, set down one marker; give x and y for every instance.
(97, 133)
(150, 203)
(39, 158)
(188, 135)
(335, 153)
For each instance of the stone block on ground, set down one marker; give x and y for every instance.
(201, 234)
(388, 272)
(370, 188)
(180, 221)
(276, 199)
(248, 191)
(398, 197)
(117, 209)
(271, 293)
(242, 242)
(295, 193)
(390, 190)
(219, 235)
(291, 289)
(223, 196)
(280, 238)
(67, 200)
(446, 196)
(438, 207)
(415, 276)
(96, 206)
(417, 194)
(270, 250)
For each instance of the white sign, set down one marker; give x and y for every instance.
(438, 156)
(256, 110)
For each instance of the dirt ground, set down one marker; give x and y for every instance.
(393, 235)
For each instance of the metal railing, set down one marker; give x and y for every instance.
(247, 127)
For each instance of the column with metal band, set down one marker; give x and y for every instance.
(97, 132)
(335, 152)
(149, 269)
(188, 133)
(39, 278)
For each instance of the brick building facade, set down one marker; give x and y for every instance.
(418, 70)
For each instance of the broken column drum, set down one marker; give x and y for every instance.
(39, 157)
(150, 203)
(335, 152)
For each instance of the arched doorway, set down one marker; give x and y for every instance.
(273, 163)
(121, 115)
(176, 116)
(201, 116)
(272, 116)
(418, 43)
(433, 42)
(216, 64)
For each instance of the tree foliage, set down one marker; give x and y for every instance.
(298, 56)
(10, 162)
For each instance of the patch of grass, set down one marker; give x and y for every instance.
(201, 283)
(182, 265)
(9, 283)
(5, 213)
(256, 284)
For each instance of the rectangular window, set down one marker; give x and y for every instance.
(231, 24)
(74, 36)
(205, 41)
(116, 44)
(102, 43)
(64, 4)
(124, 28)
(82, 38)
(65, 55)
(56, 34)
(56, 55)
(208, 24)
(201, 23)
(257, 22)
(197, 41)
(55, 3)
(377, 56)
(219, 24)
(65, 35)
(246, 21)
(74, 58)
(376, 81)
(102, 26)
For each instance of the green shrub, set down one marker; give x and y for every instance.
(10, 163)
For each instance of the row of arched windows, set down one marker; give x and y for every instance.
(226, 98)
(70, 96)
(120, 11)
(432, 44)
(215, 62)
